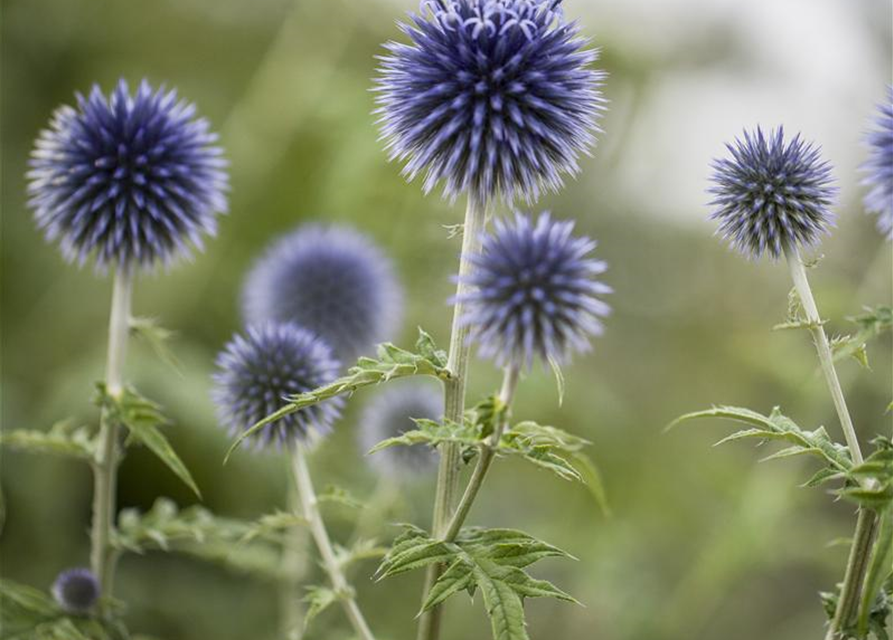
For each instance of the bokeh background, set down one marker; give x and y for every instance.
(703, 542)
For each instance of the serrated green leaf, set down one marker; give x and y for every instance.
(491, 560)
(362, 549)
(872, 481)
(142, 418)
(391, 363)
(779, 427)
(63, 439)
(269, 525)
(157, 337)
(339, 495)
(319, 598)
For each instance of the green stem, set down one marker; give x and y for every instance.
(454, 407)
(860, 551)
(487, 453)
(310, 507)
(105, 464)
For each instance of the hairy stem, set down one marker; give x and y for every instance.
(454, 407)
(105, 463)
(290, 607)
(857, 564)
(310, 507)
(485, 458)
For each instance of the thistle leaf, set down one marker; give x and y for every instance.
(319, 599)
(391, 363)
(157, 337)
(63, 439)
(339, 495)
(142, 417)
(491, 560)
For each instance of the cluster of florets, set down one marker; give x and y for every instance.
(772, 194)
(492, 97)
(129, 179)
(879, 168)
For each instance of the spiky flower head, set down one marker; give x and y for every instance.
(771, 193)
(534, 292)
(333, 281)
(259, 368)
(879, 167)
(76, 590)
(129, 179)
(391, 414)
(491, 98)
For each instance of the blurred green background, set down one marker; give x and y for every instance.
(703, 542)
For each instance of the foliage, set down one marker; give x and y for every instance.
(779, 427)
(157, 337)
(869, 325)
(64, 438)
(492, 560)
(392, 363)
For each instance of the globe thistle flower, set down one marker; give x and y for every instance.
(390, 414)
(131, 180)
(259, 368)
(534, 292)
(332, 280)
(492, 97)
(771, 194)
(879, 168)
(76, 590)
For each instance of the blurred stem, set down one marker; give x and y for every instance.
(105, 464)
(487, 453)
(290, 608)
(310, 507)
(454, 406)
(860, 551)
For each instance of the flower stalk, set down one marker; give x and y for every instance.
(866, 523)
(448, 473)
(105, 463)
(310, 507)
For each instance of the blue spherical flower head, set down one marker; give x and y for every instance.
(879, 168)
(259, 368)
(332, 280)
(534, 292)
(771, 194)
(390, 414)
(76, 590)
(492, 97)
(129, 179)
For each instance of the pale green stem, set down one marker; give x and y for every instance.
(454, 406)
(860, 551)
(294, 547)
(105, 463)
(485, 458)
(310, 508)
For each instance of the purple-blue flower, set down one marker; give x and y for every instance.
(259, 368)
(332, 280)
(534, 292)
(879, 168)
(76, 590)
(770, 194)
(129, 179)
(391, 413)
(491, 97)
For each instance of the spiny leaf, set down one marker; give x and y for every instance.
(339, 495)
(547, 447)
(491, 560)
(872, 481)
(142, 417)
(319, 598)
(157, 337)
(363, 549)
(777, 426)
(870, 325)
(63, 439)
(392, 363)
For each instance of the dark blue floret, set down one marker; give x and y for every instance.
(534, 292)
(259, 368)
(492, 97)
(391, 413)
(76, 590)
(331, 280)
(771, 194)
(131, 180)
(879, 168)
